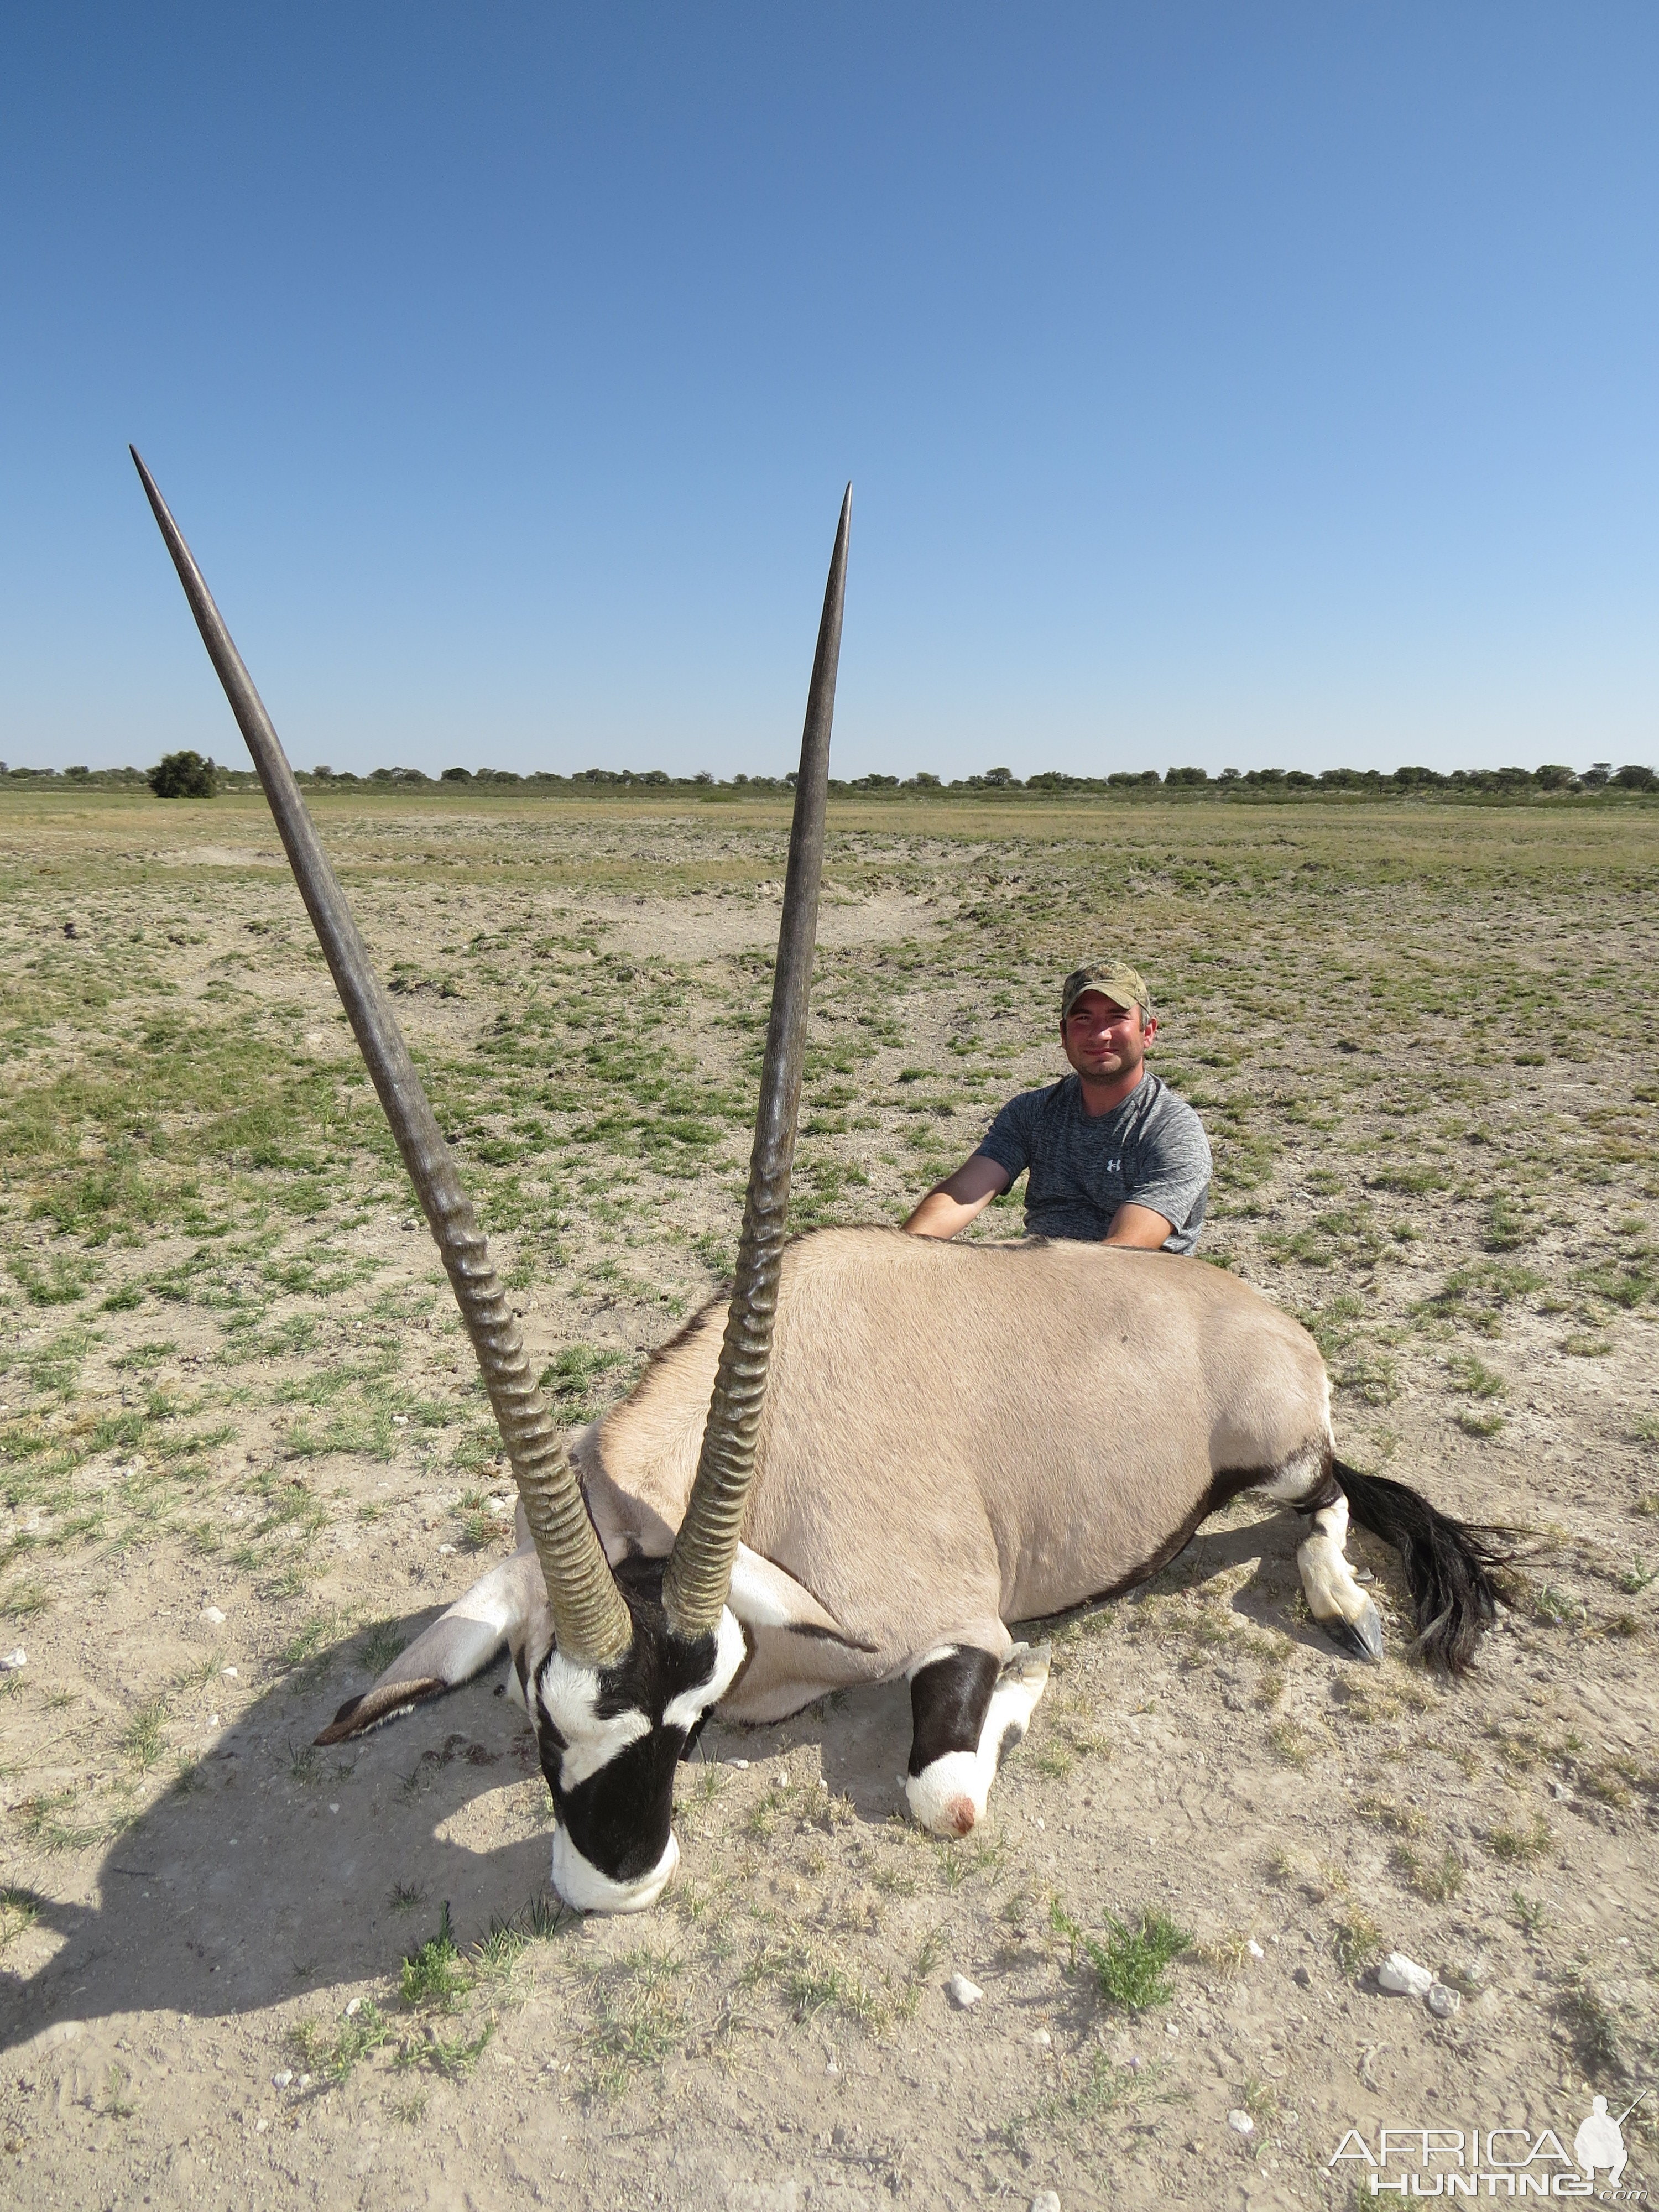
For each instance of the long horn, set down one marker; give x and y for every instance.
(699, 1572)
(590, 1618)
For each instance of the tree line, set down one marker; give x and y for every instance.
(190, 774)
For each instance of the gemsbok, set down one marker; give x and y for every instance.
(865, 1463)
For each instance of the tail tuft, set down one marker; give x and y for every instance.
(1446, 1564)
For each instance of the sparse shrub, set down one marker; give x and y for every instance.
(1517, 1846)
(1131, 1964)
(434, 1975)
(1359, 1939)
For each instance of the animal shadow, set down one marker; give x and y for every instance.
(276, 1869)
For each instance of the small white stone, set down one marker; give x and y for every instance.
(400, 1420)
(1560, 1792)
(1043, 2040)
(213, 1720)
(230, 1674)
(260, 2125)
(305, 2081)
(1255, 1949)
(281, 2081)
(741, 1765)
(1403, 1976)
(831, 2068)
(445, 1551)
(1169, 2029)
(11, 1661)
(963, 1993)
(1442, 2002)
(333, 1808)
(357, 2004)
(213, 1618)
(1241, 2122)
(1046, 2200)
(1043, 1824)
(783, 1777)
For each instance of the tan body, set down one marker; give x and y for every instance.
(958, 1436)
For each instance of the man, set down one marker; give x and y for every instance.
(1115, 1157)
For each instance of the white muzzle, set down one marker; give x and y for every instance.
(586, 1889)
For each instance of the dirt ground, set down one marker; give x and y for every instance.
(245, 1457)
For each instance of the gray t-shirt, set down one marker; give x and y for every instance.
(1150, 1150)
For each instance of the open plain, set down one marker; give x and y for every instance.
(244, 1455)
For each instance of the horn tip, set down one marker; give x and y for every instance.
(151, 493)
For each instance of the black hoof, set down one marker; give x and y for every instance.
(1360, 1639)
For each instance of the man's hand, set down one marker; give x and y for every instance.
(1138, 1226)
(953, 1204)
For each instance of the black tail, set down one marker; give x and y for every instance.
(1445, 1563)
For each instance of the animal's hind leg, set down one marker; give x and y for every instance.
(969, 1711)
(1335, 1600)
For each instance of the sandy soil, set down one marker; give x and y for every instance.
(1427, 1069)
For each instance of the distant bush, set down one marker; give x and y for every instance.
(183, 775)
(1180, 776)
(1628, 779)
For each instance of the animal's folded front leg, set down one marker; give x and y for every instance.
(970, 1708)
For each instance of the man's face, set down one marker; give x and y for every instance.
(1104, 1040)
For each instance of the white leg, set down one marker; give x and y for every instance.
(1334, 1598)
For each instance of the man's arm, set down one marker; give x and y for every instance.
(961, 1197)
(1137, 1225)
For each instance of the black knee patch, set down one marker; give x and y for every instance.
(949, 1701)
(1315, 1502)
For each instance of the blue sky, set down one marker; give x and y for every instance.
(1258, 387)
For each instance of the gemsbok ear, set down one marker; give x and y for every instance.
(496, 1610)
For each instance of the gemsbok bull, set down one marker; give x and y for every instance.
(876, 1453)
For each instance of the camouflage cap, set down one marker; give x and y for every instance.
(1114, 980)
